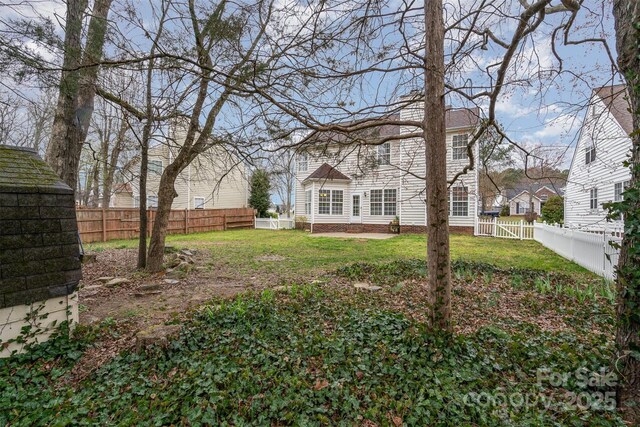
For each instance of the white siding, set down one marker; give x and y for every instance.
(524, 200)
(406, 155)
(612, 147)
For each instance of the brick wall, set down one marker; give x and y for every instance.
(39, 254)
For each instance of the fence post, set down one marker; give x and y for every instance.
(224, 222)
(104, 225)
(186, 220)
(521, 229)
(495, 226)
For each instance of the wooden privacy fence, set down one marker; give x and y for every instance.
(101, 225)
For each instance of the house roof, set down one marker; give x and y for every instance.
(524, 188)
(455, 118)
(22, 170)
(615, 99)
(327, 172)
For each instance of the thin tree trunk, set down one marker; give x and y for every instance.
(627, 14)
(142, 185)
(111, 163)
(436, 169)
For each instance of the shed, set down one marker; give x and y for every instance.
(39, 251)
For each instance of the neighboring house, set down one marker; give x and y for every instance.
(363, 189)
(215, 179)
(521, 202)
(597, 174)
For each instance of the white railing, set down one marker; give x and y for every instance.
(504, 229)
(590, 249)
(275, 223)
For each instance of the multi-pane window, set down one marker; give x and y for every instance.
(308, 196)
(383, 202)
(152, 201)
(384, 154)
(376, 202)
(303, 162)
(618, 189)
(336, 202)
(198, 202)
(324, 202)
(390, 202)
(459, 146)
(155, 166)
(459, 201)
(593, 198)
(590, 154)
(330, 202)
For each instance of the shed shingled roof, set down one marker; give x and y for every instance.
(21, 169)
(326, 171)
(615, 99)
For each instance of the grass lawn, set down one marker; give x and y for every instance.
(302, 253)
(326, 353)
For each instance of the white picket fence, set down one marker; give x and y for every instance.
(275, 223)
(521, 230)
(591, 249)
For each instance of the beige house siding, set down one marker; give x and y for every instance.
(216, 177)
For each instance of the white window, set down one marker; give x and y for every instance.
(384, 154)
(303, 162)
(308, 197)
(155, 166)
(383, 202)
(460, 201)
(355, 206)
(459, 146)
(618, 189)
(593, 198)
(152, 201)
(330, 202)
(336, 202)
(590, 154)
(198, 202)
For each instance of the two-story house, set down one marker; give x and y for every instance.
(597, 174)
(215, 179)
(340, 187)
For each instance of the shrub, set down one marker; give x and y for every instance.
(530, 216)
(260, 187)
(505, 210)
(553, 210)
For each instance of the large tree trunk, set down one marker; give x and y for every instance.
(166, 195)
(436, 168)
(61, 154)
(627, 14)
(77, 88)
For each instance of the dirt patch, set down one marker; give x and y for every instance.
(143, 300)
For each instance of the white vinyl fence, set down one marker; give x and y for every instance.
(591, 249)
(505, 229)
(275, 223)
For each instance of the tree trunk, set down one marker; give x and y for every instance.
(61, 154)
(111, 162)
(77, 88)
(142, 186)
(166, 195)
(627, 14)
(436, 169)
